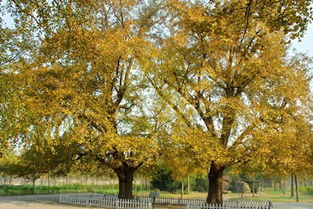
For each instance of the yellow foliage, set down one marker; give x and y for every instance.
(226, 74)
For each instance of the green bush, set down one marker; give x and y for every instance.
(200, 184)
(163, 181)
(306, 190)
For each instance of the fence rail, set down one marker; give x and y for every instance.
(100, 200)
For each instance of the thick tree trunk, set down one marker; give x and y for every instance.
(125, 175)
(125, 183)
(215, 191)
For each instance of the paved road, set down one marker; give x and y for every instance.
(34, 202)
(51, 202)
(287, 205)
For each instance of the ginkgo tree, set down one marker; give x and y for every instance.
(222, 66)
(80, 80)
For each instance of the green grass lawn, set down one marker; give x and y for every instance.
(279, 196)
(267, 194)
(71, 188)
(305, 195)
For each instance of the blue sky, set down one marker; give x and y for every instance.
(306, 44)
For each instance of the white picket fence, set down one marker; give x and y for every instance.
(105, 201)
(171, 201)
(249, 202)
(112, 201)
(236, 204)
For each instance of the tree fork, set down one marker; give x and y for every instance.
(125, 175)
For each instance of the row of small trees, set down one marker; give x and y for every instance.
(195, 85)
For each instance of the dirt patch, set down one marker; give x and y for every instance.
(169, 207)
